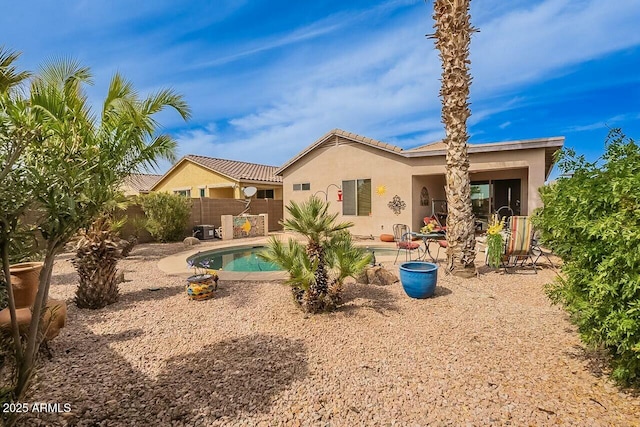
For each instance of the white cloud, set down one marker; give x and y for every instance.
(370, 71)
(609, 123)
(387, 85)
(526, 45)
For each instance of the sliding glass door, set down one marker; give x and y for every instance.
(488, 196)
(481, 201)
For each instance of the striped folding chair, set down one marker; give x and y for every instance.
(518, 244)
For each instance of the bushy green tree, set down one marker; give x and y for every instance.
(591, 219)
(70, 163)
(317, 271)
(167, 215)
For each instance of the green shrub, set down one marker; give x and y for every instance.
(592, 221)
(167, 215)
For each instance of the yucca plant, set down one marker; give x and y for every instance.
(317, 271)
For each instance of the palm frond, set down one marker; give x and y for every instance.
(64, 74)
(293, 258)
(344, 257)
(312, 220)
(163, 99)
(10, 77)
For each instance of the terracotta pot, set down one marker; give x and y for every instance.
(24, 279)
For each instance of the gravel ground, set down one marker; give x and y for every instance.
(484, 351)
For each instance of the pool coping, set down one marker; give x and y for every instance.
(176, 264)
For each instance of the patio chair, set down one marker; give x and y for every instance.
(518, 248)
(404, 242)
(537, 251)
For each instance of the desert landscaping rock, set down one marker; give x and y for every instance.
(377, 275)
(483, 351)
(190, 241)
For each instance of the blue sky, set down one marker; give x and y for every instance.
(267, 78)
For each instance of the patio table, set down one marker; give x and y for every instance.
(428, 238)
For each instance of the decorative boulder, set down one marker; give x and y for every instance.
(190, 241)
(377, 276)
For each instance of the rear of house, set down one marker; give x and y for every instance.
(375, 185)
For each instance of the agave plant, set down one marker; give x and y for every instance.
(317, 271)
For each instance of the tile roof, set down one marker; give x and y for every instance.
(236, 169)
(141, 182)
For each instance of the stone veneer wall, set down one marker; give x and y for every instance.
(238, 227)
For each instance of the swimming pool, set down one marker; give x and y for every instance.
(239, 258)
(245, 258)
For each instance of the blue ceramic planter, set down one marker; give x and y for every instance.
(419, 278)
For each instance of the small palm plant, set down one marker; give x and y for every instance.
(317, 271)
(96, 261)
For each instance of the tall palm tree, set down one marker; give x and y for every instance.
(127, 141)
(318, 270)
(75, 172)
(453, 36)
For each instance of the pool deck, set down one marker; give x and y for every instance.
(176, 265)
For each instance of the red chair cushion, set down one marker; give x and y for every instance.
(443, 243)
(408, 245)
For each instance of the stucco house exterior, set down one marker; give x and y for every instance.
(201, 176)
(375, 185)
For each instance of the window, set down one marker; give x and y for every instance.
(202, 192)
(302, 187)
(356, 197)
(185, 193)
(265, 194)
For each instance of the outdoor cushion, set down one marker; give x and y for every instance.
(408, 245)
(386, 238)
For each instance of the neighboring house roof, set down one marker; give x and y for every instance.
(232, 169)
(551, 145)
(241, 171)
(141, 182)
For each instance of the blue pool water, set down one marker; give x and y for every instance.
(245, 258)
(242, 258)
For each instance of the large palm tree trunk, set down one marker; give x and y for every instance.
(453, 36)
